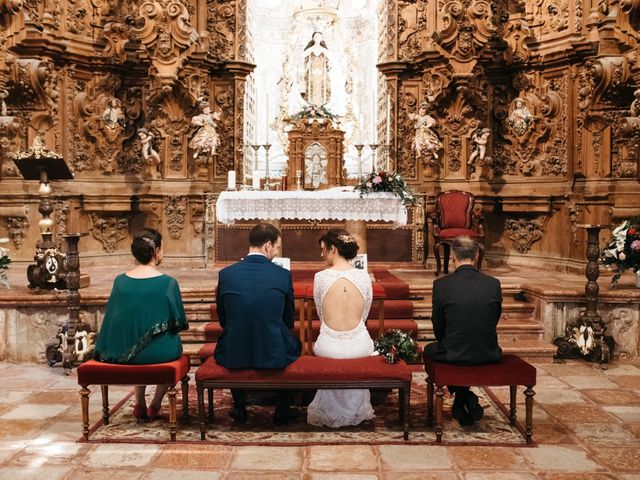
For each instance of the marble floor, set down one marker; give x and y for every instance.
(586, 423)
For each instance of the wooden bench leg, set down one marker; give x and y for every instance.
(171, 393)
(429, 402)
(210, 404)
(84, 402)
(406, 405)
(105, 403)
(439, 405)
(185, 398)
(203, 425)
(529, 393)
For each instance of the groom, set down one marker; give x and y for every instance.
(255, 307)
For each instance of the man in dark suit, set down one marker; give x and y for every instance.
(255, 307)
(466, 308)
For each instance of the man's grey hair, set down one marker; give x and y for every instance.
(465, 248)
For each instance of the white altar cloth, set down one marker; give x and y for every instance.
(333, 204)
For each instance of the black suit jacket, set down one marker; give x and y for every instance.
(256, 309)
(466, 308)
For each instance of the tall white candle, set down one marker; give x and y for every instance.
(373, 119)
(266, 129)
(231, 180)
(255, 182)
(360, 128)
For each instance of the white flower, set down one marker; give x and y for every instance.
(622, 256)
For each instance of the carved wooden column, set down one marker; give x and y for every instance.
(392, 72)
(239, 70)
(72, 277)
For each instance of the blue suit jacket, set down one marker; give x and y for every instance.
(255, 307)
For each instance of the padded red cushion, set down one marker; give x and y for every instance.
(212, 331)
(394, 288)
(100, 373)
(206, 351)
(312, 369)
(455, 210)
(512, 370)
(457, 232)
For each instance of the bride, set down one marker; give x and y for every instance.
(342, 296)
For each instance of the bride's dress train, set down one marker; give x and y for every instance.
(338, 408)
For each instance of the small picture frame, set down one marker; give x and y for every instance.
(360, 261)
(284, 262)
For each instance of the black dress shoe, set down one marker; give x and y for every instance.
(473, 406)
(459, 412)
(239, 414)
(284, 415)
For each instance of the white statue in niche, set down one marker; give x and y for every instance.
(520, 118)
(425, 141)
(316, 85)
(206, 139)
(113, 116)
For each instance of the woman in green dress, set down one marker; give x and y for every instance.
(143, 317)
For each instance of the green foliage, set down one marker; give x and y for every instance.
(397, 345)
(312, 111)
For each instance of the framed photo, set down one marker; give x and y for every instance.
(284, 262)
(360, 261)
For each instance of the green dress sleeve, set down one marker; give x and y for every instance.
(178, 318)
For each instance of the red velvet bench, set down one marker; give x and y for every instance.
(512, 371)
(105, 374)
(309, 372)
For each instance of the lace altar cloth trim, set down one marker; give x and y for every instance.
(332, 204)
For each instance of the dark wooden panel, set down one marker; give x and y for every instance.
(233, 244)
(389, 245)
(302, 245)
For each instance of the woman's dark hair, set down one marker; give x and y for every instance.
(342, 240)
(144, 244)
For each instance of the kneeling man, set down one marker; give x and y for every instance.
(466, 308)
(255, 307)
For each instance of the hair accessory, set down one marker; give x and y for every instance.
(149, 242)
(346, 238)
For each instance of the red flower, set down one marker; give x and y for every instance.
(632, 231)
(382, 173)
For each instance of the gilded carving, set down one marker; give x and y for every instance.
(10, 137)
(78, 16)
(175, 210)
(62, 221)
(172, 126)
(17, 228)
(168, 36)
(412, 29)
(109, 230)
(554, 16)
(524, 232)
(221, 25)
(516, 36)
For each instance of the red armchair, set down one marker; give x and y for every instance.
(454, 217)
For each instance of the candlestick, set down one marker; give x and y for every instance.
(266, 118)
(374, 148)
(298, 179)
(266, 166)
(231, 180)
(359, 148)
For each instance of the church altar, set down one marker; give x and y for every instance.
(332, 204)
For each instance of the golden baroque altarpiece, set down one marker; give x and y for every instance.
(532, 101)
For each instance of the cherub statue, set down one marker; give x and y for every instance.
(147, 147)
(425, 142)
(479, 138)
(206, 139)
(3, 106)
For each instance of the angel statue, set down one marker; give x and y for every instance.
(147, 147)
(206, 139)
(425, 142)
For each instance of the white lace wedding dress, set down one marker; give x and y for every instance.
(338, 408)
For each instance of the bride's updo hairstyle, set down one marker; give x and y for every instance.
(144, 244)
(342, 240)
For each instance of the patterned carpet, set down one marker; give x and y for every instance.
(493, 429)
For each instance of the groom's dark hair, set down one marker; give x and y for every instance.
(263, 233)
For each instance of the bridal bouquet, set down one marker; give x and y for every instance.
(397, 345)
(623, 249)
(4, 264)
(382, 181)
